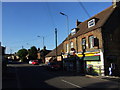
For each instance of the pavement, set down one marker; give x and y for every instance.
(111, 78)
(68, 73)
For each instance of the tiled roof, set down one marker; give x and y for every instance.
(83, 27)
(101, 19)
(53, 52)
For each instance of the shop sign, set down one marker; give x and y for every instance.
(89, 54)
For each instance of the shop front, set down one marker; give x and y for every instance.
(92, 62)
(89, 62)
(69, 63)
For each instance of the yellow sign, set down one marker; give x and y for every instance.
(89, 54)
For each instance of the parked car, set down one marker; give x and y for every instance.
(34, 62)
(30, 62)
(53, 66)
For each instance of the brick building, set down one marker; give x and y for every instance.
(42, 54)
(50, 57)
(94, 43)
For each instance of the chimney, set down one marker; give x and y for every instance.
(77, 22)
(116, 3)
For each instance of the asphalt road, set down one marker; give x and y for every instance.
(36, 76)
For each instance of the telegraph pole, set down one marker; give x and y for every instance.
(22, 47)
(43, 41)
(56, 40)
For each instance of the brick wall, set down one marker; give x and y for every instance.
(95, 33)
(78, 44)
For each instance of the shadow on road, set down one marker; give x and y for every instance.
(36, 77)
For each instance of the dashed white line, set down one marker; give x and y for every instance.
(71, 83)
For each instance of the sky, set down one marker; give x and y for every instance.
(23, 22)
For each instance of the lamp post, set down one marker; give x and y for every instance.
(67, 21)
(68, 36)
(67, 28)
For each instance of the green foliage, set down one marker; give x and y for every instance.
(33, 53)
(22, 53)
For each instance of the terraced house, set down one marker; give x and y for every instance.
(94, 45)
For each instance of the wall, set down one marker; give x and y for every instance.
(112, 49)
(111, 38)
(95, 33)
(47, 59)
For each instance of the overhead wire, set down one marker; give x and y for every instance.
(80, 3)
(50, 14)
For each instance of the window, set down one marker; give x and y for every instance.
(71, 45)
(67, 47)
(83, 43)
(73, 31)
(91, 41)
(91, 23)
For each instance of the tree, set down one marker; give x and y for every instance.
(33, 53)
(22, 53)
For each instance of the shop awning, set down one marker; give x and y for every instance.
(91, 58)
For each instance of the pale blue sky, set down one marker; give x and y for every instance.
(22, 22)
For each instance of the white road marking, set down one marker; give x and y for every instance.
(71, 83)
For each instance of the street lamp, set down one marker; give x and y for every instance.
(67, 21)
(67, 28)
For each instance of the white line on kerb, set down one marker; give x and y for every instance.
(71, 83)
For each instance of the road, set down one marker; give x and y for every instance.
(36, 76)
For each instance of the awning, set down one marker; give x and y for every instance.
(91, 58)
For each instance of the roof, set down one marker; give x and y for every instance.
(101, 20)
(53, 52)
